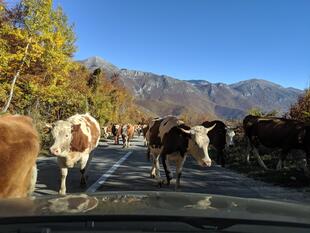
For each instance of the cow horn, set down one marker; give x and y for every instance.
(186, 131)
(210, 128)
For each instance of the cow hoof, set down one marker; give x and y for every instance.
(63, 193)
(167, 182)
(152, 176)
(160, 183)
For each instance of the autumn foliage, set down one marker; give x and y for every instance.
(36, 49)
(301, 110)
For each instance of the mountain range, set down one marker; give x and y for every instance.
(162, 95)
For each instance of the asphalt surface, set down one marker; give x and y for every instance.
(113, 168)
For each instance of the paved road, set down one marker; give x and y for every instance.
(133, 174)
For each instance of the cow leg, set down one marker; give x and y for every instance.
(63, 173)
(179, 167)
(33, 179)
(167, 170)
(259, 159)
(222, 157)
(303, 165)
(249, 149)
(148, 154)
(84, 162)
(218, 157)
(281, 160)
(153, 170)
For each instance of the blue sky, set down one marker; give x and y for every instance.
(216, 40)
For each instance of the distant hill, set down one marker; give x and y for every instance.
(163, 95)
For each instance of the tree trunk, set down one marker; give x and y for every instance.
(7, 105)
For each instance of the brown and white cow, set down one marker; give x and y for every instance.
(106, 132)
(116, 132)
(145, 128)
(19, 148)
(127, 132)
(74, 139)
(170, 139)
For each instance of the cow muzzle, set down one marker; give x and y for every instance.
(55, 151)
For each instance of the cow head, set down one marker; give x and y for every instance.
(198, 144)
(62, 135)
(230, 133)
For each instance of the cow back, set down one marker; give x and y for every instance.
(153, 133)
(85, 132)
(94, 129)
(19, 148)
(176, 140)
(277, 132)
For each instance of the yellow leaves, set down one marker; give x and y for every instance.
(51, 83)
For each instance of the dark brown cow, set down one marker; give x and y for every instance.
(19, 148)
(74, 139)
(220, 137)
(272, 132)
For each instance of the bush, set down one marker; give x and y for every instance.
(301, 110)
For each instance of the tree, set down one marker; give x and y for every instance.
(38, 41)
(301, 110)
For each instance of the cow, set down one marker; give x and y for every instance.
(170, 139)
(19, 148)
(74, 139)
(220, 137)
(127, 132)
(138, 129)
(145, 128)
(273, 132)
(116, 132)
(106, 132)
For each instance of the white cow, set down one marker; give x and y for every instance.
(74, 139)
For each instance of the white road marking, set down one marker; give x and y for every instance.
(106, 175)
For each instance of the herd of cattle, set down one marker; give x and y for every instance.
(167, 139)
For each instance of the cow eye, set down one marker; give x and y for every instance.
(67, 135)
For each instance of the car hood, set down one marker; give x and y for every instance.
(158, 204)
